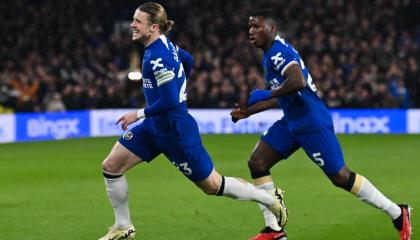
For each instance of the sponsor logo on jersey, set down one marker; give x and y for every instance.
(147, 83)
(163, 76)
(156, 63)
(274, 83)
(278, 61)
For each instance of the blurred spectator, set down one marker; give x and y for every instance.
(54, 103)
(361, 54)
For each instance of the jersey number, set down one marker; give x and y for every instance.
(311, 83)
(183, 90)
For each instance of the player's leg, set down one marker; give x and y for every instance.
(361, 187)
(325, 150)
(239, 189)
(114, 166)
(275, 145)
(261, 160)
(195, 163)
(124, 155)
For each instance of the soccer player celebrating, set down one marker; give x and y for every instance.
(167, 128)
(306, 123)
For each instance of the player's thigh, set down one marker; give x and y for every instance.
(120, 159)
(275, 144)
(191, 160)
(141, 141)
(324, 150)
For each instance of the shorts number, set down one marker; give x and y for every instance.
(317, 159)
(183, 167)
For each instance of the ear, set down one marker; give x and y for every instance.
(273, 27)
(154, 28)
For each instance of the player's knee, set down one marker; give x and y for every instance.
(258, 167)
(338, 182)
(213, 184)
(342, 179)
(110, 166)
(257, 164)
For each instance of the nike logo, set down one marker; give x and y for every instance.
(130, 231)
(113, 238)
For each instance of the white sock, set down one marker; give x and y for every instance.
(242, 190)
(269, 218)
(368, 193)
(117, 190)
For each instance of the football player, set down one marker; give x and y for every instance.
(306, 124)
(167, 128)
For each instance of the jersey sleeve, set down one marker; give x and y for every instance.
(187, 61)
(283, 59)
(163, 68)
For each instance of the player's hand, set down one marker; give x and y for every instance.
(258, 95)
(239, 113)
(127, 119)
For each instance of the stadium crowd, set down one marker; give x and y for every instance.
(68, 55)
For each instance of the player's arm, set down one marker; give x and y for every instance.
(294, 82)
(169, 97)
(167, 102)
(243, 112)
(186, 59)
(165, 76)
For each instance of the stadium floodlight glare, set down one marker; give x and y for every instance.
(135, 76)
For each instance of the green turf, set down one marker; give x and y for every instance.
(55, 190)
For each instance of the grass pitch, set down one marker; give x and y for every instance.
(55, 190)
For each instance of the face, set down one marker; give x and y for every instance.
(260, 33)
(141, 27)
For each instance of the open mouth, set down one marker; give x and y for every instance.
(252, 40)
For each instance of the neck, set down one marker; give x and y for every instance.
(269, 43)
(267, 46)
(151, 39)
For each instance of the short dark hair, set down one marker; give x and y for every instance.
(266, 13)
(269, 15)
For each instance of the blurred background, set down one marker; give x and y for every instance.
(75, 55)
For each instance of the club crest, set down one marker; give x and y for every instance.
(128, 135)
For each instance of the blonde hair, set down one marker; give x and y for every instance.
(157, 15)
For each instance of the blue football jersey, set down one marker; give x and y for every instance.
(168, 127)
(164, 83)
(303, 110)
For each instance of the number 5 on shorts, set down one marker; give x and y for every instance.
(317, 159)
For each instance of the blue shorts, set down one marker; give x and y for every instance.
(181, 146)
(321, 146)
